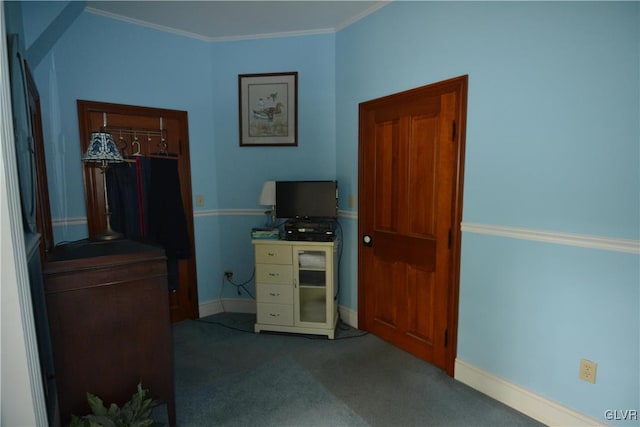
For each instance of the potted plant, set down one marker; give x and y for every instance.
(135, 413)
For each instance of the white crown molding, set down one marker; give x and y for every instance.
(189, 34)
(272, 35)
(569, 239)
(361, 15)
(146, 24)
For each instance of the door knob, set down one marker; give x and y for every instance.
(367, 240)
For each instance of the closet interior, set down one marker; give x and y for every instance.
(149, 194)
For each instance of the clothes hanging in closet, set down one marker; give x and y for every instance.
(122, 188)
(146, 204)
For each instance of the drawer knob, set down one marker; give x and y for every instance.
(271, 254)
(274, 274)
(274, 314)
(274, 294)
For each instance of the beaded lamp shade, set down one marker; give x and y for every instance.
(102, 148)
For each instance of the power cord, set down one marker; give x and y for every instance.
(225, 326)
(308, 337)
(238, 286)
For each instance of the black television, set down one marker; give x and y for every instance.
(307, 199)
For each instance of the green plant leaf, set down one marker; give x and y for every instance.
(78, 422)
(96, 404)
(100, 421)
(134, 413)
(114, 411)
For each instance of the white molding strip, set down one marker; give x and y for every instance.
(231, 305)
(272, 35)
(258, 212)
(537, 407)
(245, 305)
(569, 239)
(196, 36)
(61, 222)
(348, 214)
(229, 212)
(81, 220)
(363, 14)
(348, 316)
(23, 398)
(145, 24)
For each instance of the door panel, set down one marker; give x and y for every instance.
(386, 173)
(422, 175)
(420, 297)
(385, 303)
(411, 147)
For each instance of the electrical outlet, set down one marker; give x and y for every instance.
(199, 200)
(228, 274)
(588, 370)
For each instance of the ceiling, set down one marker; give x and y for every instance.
(238, 20)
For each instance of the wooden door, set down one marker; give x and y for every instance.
(138, 129)
(411, 148)
(43, 207)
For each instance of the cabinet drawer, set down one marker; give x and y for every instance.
(274, 273)
(275, 294)
(275, 314)
(273, 254)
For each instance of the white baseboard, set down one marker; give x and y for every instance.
(243, 305)
(231, 305)
(348, 316)
(537, 407)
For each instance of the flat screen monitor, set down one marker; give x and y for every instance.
(307, 199)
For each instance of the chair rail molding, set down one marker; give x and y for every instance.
(569, 239)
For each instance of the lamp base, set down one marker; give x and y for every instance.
(107, 235)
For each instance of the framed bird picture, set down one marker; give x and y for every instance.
(268, 106)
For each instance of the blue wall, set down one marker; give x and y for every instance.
(129, 64)
(242, 170)
(552, 144)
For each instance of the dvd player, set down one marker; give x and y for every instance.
(313, 231)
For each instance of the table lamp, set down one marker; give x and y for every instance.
(102, 149)
(268, 198)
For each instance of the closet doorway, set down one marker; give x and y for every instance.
(144, 135)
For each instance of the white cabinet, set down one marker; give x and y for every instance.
(295, 286)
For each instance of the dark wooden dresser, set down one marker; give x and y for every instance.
(108, 310)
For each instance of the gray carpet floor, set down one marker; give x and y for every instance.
(226, 375)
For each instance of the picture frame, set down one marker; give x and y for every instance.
(268, 109)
